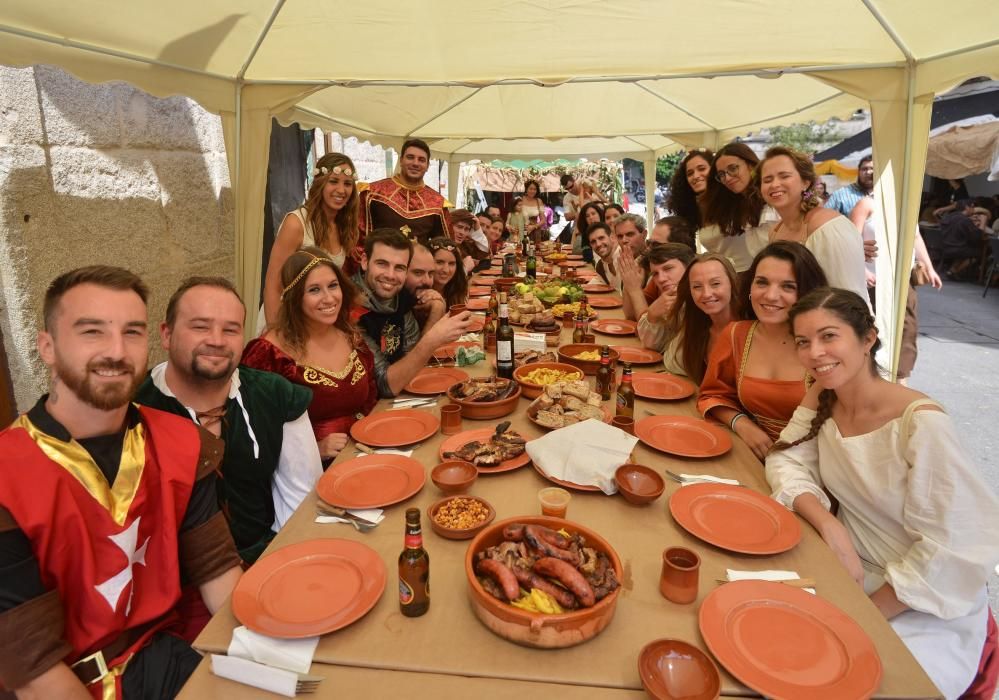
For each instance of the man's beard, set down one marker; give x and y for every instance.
(107, 397)
(199, 372)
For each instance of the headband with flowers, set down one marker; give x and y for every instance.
(336, 170)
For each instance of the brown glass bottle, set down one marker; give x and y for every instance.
(578, 333)
(414, 569)
(605, 375)
(626, 394)
(489, 333)
(504, 341)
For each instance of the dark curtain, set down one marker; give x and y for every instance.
(290, 147)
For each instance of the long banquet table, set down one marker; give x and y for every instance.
(449, 653)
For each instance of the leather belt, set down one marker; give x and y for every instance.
(94, 667)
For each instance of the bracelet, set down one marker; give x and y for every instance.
(736, 417)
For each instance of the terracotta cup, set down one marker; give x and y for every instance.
(450, 419)
(625, 423)
(681, 569)
(554, 501)
(589, 338)
(457, 309)
(568, 320)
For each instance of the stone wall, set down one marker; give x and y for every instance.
(102, 174)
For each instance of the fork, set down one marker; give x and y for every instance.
(689, 480)
(307, 684)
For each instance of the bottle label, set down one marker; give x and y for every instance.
(413, 541)
(405, 593)
(504, 352)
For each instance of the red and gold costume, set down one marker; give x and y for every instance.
(110, 556)
(419, 212)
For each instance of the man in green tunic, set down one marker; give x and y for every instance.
(271, 459)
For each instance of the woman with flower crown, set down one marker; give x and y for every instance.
(786, 179)
(327, 220)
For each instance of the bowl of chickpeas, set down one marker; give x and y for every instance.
(460, 517)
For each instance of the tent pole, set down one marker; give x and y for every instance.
(650, 189)
(902, 258)
(235, 177)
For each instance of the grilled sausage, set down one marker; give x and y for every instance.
(552, 537)
(514, 532)
(568, 576)
(501, 574)
(529, 580)
(535, 539)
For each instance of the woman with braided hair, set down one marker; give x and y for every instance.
(786, 179)
(753, 381)
(916, 524)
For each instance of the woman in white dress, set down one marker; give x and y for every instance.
(733, 208)
(916, 524)
(327, 220)
(533, 210)
(785, 178)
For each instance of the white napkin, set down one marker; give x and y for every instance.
(767, 575)
(707, 477)
(586, 453)
(289, 654)
(389, 451)
(470, 337)
(260, 676)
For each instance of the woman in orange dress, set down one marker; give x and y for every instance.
(754, 380)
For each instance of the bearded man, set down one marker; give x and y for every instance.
(105, 508)
(271, 460)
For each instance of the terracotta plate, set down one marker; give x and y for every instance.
(309, 588)
(479, 291)
(614, 326)
(435, 380)
(394, 428)
(597, 288)
(478, 322)
(491, 273)
(660, 386)
(605, 302)
(447, 351)
(371, 481)
(566, 484)
(785, 643)
(477, 304)
(637, 356)
(456, 441)
(683, 436)
(735, 518)
(574, 256)
(572, 263)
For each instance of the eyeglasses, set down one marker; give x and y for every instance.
(730, 171)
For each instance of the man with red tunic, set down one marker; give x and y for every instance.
(403, 202)
(106, 507)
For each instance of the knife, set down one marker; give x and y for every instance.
(327, 509)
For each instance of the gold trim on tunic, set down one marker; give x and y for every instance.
(71, 456)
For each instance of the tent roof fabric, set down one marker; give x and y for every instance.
(487, 79)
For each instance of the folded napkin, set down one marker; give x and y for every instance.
(707, 477)
(767, 575)
(289, 654)
(586, 453)
(260, 676)
(374, 515)
(470, 338)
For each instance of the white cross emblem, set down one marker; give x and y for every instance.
(113, 587)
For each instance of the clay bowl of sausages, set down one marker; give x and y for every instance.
(582, 574)
(484, 398)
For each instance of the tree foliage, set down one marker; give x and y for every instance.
(807, 138)
(666, 165)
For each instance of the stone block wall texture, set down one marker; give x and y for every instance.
(103, 174)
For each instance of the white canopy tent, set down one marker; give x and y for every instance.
(568, 78)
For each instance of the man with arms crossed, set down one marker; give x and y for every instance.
(105, 508)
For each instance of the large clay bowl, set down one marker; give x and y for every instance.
(484, 410)
(537, 629)
(567, 353)
(503, 284)
(532, 390)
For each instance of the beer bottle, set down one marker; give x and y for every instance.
(504, 341)
(414, 569)
(493, 309)
(605, 375)
(626, 394)
(489, 333)
(578, 334)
